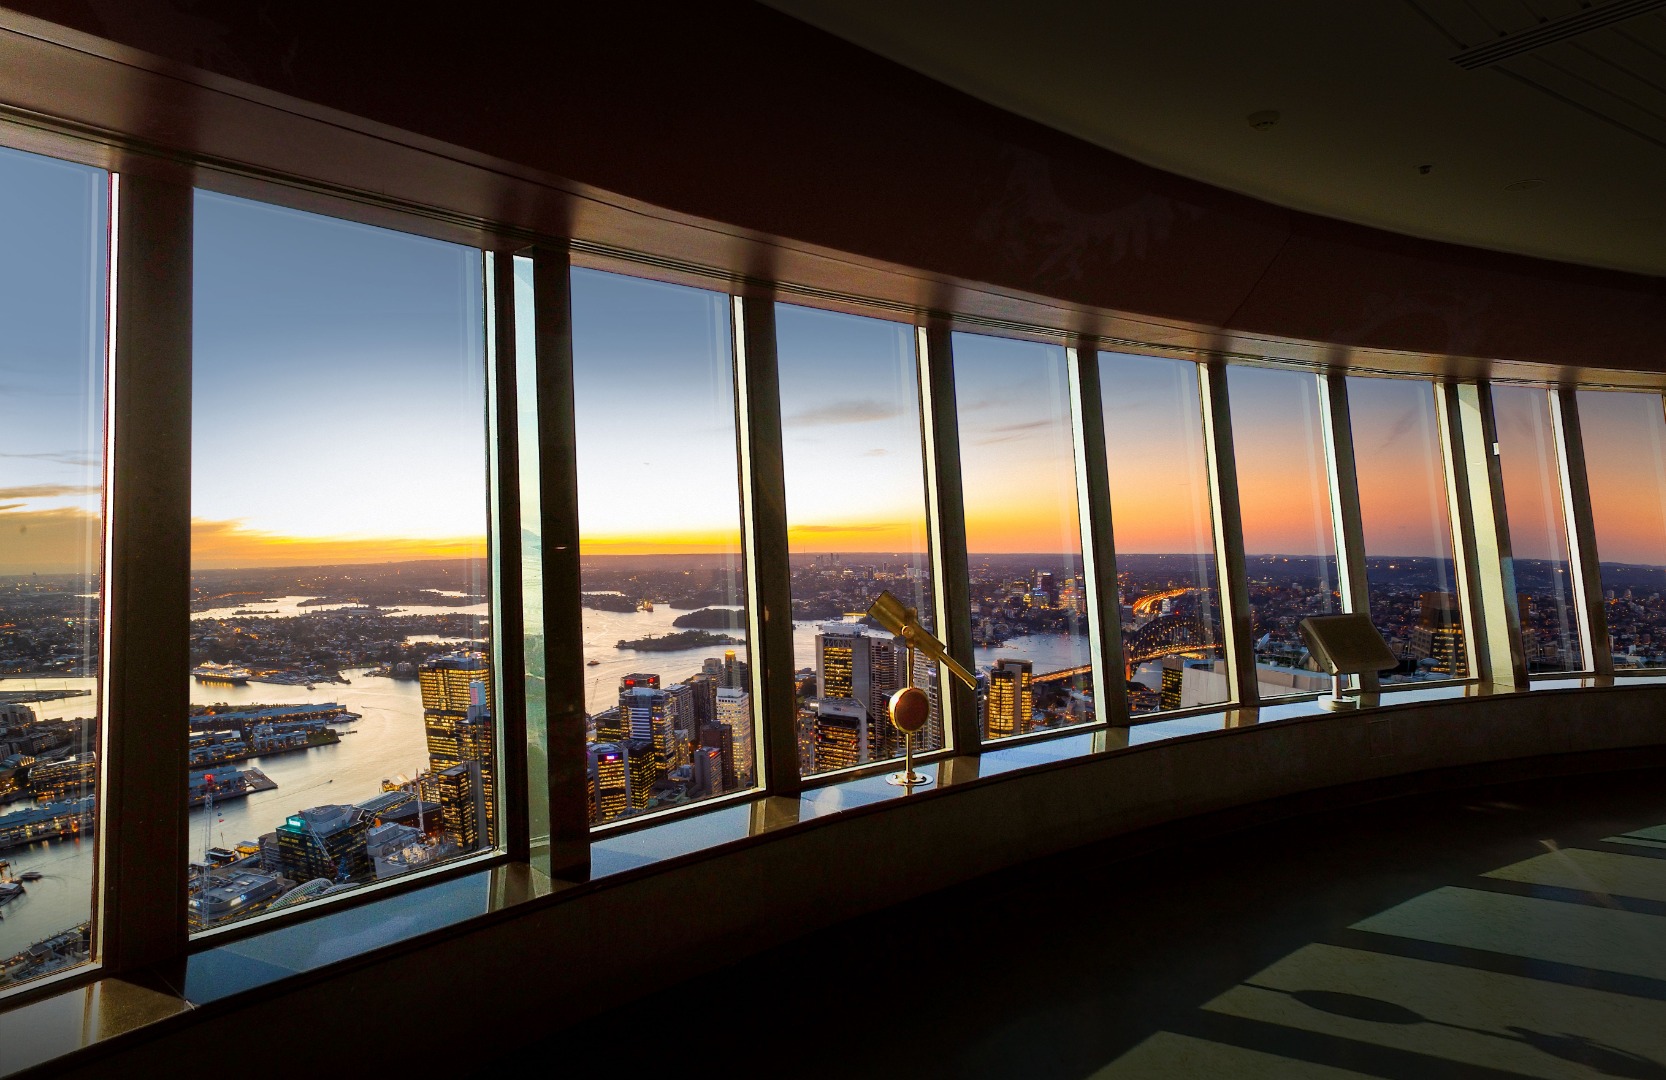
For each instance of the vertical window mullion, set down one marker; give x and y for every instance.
(1582, 533)
(946, 525)
(504, 552)
(1229, 537)
(559, 539)
(1500, 655)
(764, 529)
(1461, 513)
(1093, 497)
(1347, 524)
(144, 814)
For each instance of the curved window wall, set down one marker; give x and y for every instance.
(343, 722)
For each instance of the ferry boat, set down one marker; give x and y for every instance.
(221, 674)
(645, 605)
(30, 875)
(9, 889)
(592, 663)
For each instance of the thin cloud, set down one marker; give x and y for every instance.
(47, 491)
(846, 412)
(841, 528)
(1011, 432)
(878, 451)
(67, 458)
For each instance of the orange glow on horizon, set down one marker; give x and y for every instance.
(229, 545)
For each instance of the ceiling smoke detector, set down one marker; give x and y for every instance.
(1263, 120)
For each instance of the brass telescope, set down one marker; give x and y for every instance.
(904, 622)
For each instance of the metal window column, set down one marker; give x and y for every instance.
(508, 626)
(147, 577)
(768, 572)
(1232, 578)
(1460, 516)
(1093, 500)
(1347, 524)
(1500, 657)
(946, 524)
(1582, 532)
(559, 537)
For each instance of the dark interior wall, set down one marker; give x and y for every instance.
(732, 112)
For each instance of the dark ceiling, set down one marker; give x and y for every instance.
(1529, 126)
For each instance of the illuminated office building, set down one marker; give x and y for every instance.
(1011, 699)
(734, 714)
(645, 715)
(1439, 635)
(841, 734)
(324, 842)
(641, 772)
(459, 723)
(609, 781)
(719, 737)
(463, 806)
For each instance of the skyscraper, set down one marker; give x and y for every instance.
(645, 715)
(734, 714)
(1011, 699)
(1439, 635)
(841, 734)
(458, 722)
(324, 842)
(611, 781)
(463, 806)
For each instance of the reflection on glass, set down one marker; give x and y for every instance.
(1538, 529)
(1164, 524)
(1284, 496)
(1625, 464)
(531, 553)
(1407, 526)
(54, 250)
(342, 720)
(668, 681)
(1023, 536)
(856, 525)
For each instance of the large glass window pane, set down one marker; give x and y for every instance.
(1284, 496)
(343, 729)
(1625, 465)
(1408, 528)
(1023, 536)
(54, 250)
(1163, 518)
(856, 525)
(668, 677)
(1538, 529)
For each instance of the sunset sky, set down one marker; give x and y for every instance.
(339, 416)
(53, 236)
(339, 391)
